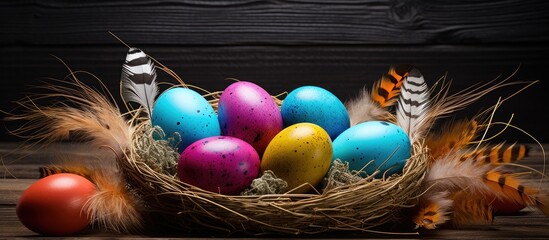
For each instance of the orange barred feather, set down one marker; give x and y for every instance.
(498, 154)
(433, 211)
(508, 186)
(470, 210)
(373, 105)
(387, 88)
(455, 135)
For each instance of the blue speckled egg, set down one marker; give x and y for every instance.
(185, 111)
(385, 143)
(316, 105)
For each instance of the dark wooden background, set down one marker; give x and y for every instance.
(339, 45)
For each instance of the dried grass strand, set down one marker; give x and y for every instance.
(359, 206)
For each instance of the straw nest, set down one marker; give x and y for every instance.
(346, 202)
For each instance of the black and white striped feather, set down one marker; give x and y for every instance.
(139, 80)
(413, 105)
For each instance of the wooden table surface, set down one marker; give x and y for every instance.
(19, 169)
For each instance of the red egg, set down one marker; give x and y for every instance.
(54, 205)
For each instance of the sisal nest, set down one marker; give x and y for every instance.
(347, 202)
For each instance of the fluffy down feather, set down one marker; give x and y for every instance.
(363, 108)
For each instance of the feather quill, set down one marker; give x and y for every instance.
(413, 105)
(138, 82)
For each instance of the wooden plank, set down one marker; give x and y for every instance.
(268, 22)
(11, 190)
(529, 224)
(22, 161)
(344, 70)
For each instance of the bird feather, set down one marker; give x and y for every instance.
(498, 154)
(413, 105)
(470, 210)
(449, 173)
(446, 177)
(433, 210)
(387, 88)
(452, 136)
(75, 112)
(363, 108)
(506, 185)
(138, 82)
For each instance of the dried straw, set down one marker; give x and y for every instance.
(347, 202)
(359, 205)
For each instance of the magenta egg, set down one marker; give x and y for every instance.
(220, 164)
(248, 112)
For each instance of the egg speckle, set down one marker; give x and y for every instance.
(373, 145)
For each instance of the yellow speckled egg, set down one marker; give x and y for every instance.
(300, 153)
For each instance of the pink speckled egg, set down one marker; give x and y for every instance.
(220, 164)
(248, 112)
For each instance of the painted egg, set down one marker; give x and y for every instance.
(54, 205)
(186, 112)
(248, 112)
(315, 105)
(220, 164)
(385, 143)
(299, 154)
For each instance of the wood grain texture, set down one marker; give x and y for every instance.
(340, 45)
(528, 224)
(344, 70)
(275, 22)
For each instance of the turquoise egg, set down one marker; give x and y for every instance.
(186, 112)
(385, 143)
(316, 105)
